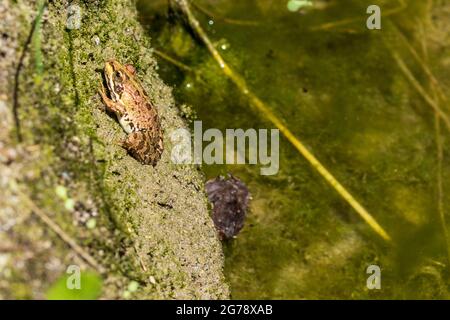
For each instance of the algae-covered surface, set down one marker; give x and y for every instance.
(362, 101)
(71, 196)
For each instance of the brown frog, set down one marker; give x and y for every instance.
(134, 111)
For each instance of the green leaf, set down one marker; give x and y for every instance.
(295, 5)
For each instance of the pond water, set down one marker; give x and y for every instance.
(339, 88)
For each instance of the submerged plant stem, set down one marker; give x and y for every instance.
(438, 96)
(330, 25)
(430, 101)
(173, 61)
(224, 19)
(262, 107)
(440, 189)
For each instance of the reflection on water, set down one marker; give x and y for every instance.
(360, 101)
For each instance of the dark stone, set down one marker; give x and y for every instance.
(229, 198)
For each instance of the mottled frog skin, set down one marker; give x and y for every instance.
(134, 111)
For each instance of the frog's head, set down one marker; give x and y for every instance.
(117, 76)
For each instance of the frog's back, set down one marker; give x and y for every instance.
(145, 146)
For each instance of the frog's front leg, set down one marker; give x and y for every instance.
(111, 106)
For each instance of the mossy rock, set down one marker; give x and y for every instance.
(142, 224)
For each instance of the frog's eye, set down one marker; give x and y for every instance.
(118, 74)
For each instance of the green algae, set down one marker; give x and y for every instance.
(342, 93)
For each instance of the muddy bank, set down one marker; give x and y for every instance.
(60, 156)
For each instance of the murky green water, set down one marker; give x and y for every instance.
(343, 95)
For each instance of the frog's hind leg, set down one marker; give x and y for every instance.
(139, 146)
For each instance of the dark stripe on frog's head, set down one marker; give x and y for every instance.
(116, 75)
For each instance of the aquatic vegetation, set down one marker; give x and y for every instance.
(365, 102)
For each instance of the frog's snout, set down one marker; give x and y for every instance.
(109, 67)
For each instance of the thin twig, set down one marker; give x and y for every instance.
(180, 65)
(415, 83)
(173, 61)
(440, 189)
(435, 88)
(16, 82)
(141, 261)
(224, 19)
(261, 106)
(339, 23)
(7, 248)
(36, 21)
(424, 65)
(57, 229)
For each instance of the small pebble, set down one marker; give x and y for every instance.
(96, 40)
